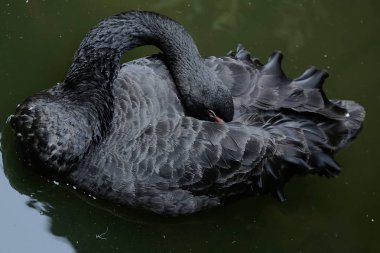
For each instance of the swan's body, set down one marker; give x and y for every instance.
(127, 136)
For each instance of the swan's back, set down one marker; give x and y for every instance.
(156, 157)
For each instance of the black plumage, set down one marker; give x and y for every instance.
(139, 134)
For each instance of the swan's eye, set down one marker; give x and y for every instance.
(211, 114)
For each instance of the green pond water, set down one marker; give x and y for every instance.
(37, 41)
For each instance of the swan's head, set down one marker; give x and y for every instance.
(219, 105)
(208, 94)
(211, 106)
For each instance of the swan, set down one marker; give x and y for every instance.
(176, 133)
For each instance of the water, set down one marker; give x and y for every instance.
(37, 41)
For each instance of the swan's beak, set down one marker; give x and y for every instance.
(213, 116)
(218, 120)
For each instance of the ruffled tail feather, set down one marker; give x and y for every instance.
(307, 127)
(302, 97)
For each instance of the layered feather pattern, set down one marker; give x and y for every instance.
(169, 163)
(132, 141)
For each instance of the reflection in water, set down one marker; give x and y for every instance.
(24, 230)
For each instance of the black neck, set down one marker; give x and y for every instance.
(97, 59)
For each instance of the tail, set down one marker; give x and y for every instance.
(273, 92)
(307, 127)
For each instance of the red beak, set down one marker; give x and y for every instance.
(218, 120)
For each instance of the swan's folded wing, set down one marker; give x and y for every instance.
(217, 154)
(183, 164)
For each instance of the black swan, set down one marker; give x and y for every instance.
(162, 132)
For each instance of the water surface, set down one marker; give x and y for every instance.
(37, 41)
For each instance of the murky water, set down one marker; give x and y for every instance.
(37, 41)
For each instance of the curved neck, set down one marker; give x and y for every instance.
(97, 59)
